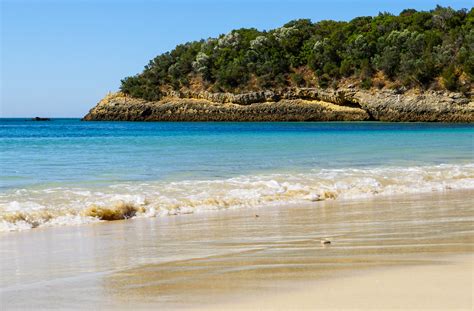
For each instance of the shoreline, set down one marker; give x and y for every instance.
(76, 206)
(121, 209)
(233, 256)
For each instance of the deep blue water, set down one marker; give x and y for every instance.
(69, 151)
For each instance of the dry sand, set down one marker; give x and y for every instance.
(447, 285)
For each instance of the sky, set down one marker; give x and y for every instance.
(60, 57)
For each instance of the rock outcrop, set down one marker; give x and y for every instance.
(297, 104)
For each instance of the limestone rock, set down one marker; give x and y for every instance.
(295, 104)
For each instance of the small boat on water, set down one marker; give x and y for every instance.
(40, 119)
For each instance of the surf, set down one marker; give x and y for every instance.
(39, 207)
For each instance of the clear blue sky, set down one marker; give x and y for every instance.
(58, 58)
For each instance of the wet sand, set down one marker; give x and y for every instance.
(393, 252)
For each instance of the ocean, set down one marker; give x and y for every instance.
(69, 172)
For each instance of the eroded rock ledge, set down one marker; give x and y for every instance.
(297, 104)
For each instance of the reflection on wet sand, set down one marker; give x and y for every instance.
(203, 259)
(283, 245)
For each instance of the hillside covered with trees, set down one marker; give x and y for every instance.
(416, 49)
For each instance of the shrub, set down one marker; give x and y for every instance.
(411, 49)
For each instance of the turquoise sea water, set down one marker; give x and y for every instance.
(60, 168)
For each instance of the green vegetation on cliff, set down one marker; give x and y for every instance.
(428, 50)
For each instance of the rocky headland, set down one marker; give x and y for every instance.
(413, 67)
(292, 104)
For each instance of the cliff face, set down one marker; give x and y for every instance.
(302, 104)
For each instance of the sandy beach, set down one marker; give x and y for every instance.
(444, 285)
(275, 155)
(395, 252)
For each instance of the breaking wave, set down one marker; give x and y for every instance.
(31, 208)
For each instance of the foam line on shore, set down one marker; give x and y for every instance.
(31, 208)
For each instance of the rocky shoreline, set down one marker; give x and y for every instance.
(295, 104)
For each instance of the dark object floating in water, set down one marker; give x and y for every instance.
(41, 119)
(325, 242)
(256, 216)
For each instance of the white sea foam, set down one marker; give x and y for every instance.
(28, 208)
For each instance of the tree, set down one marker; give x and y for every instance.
(414, 49)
